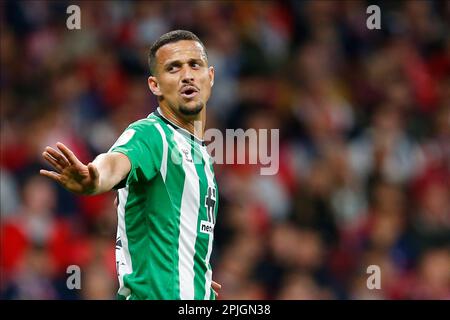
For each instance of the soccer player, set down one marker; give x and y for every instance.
(167, 193)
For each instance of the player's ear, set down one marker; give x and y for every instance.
(211, 75)
(154, 86)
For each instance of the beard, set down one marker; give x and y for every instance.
(191, 111)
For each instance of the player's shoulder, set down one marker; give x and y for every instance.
(146, 125)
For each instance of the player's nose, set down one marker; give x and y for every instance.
(187, 76)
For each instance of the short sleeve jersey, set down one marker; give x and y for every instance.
(166, 213)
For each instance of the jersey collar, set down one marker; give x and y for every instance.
(183, 131)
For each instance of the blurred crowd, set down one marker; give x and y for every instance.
(364, 120)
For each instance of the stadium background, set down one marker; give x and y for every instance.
(364, 118)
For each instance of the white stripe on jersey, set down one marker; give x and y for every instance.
(210, 177)
(190, 202)
(163, 168)
(123, 258)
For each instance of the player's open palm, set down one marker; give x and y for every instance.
(70, 172)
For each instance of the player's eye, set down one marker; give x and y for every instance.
(172, 68)
(195, 65)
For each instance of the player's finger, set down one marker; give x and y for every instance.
(215, 285)
(68, 153)
(51, 174)
(52, 161)
(57, 156)
(93, 172)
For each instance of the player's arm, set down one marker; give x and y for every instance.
(99, 176)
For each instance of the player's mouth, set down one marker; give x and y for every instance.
(189, 92)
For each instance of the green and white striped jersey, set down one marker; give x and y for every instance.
(166, 213)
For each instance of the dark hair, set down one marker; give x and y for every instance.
(172, 36)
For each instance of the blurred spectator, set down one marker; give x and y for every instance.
(9, 198)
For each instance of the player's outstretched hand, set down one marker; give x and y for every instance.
(70, 172)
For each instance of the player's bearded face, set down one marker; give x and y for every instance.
(190, 110)
(183, 76)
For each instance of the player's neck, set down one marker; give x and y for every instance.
(194, 125)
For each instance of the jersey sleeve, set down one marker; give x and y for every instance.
(142, 144)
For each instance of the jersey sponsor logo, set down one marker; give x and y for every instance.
(206, 227)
